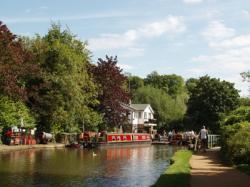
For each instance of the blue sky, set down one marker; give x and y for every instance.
(190, 38)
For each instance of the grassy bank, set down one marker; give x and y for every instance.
(178, 174)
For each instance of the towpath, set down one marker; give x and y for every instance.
(208, 171)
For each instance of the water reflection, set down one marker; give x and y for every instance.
(120, 166)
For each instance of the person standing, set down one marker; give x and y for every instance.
(203, 136)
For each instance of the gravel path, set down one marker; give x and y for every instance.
(207, 171)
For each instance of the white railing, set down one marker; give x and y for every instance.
(213, 140)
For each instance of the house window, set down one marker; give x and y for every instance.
(140, 114)
(145, 115)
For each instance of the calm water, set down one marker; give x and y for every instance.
(122, 166)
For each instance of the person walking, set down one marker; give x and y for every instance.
(203, 136)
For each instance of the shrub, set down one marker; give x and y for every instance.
(239, 115)
(234, 140)
(239, 146)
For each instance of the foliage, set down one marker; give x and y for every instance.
(135, 82)
(239, 147)
(191, 84)
(16, 69)
(241, 114)
(244, 101)
(208, 99)
(112, 92)
(244, 168)
(63, 103)
(171, 84)
(177, 174)
(170, 104)
(246, 76)
(227, 135)
(11, 113)
(167, 109)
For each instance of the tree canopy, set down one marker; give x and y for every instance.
(64, 102)
(12, 113)
(16, 68)
(112, 91)
(208, 99)
(168, 110)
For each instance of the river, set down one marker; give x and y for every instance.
(107, 167)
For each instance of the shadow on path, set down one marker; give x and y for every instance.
(208, 171)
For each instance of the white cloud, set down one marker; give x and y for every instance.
(170, 25)
(216, 30)
(225, 64)
(45, 19)
(113, 41)
(229, 55)
(43, 7)
(192, 1)
(133, 52)
(27, 10)
(125, 66)
(245, 13)
(235, 42)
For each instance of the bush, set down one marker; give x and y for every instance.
(239, 146)
(239, 115)
(235, 139)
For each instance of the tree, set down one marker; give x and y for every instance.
(112, 93)
(168, 111)
(191, 84)
(16, 67)
(241, 114)
(171, 84)
(135, 82)
(64, 102)
(12, 112)
(246, 76)
(208, 99)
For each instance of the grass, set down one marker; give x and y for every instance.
(178, 174)
(244, 168)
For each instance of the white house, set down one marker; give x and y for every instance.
(141, 118)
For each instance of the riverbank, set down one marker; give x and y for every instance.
(207, 170)
(177, 174)
(6, 148)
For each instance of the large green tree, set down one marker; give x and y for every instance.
(168, 111)
(208, 99)
(64, 101)
(171, 84)
(134, 82)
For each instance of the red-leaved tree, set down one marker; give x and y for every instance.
(112, 94)
(16, 69)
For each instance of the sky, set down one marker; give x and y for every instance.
(191, 38)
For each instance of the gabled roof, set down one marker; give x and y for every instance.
(141, 107)
(137, 107)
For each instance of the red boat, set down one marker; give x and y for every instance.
(112, 138)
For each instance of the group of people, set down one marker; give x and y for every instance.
(198, 141)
